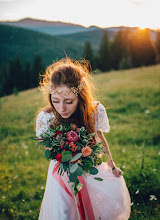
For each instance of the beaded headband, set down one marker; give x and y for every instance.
(75, 90)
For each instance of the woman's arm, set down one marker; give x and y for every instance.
(116, 171)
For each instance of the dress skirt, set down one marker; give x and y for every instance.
(110, 199)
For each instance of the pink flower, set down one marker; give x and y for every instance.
(72, 136)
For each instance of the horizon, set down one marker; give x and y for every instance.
(58, 21)
(104, 14)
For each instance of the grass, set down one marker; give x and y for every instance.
(132, 98)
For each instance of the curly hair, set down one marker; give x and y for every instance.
(71, 73)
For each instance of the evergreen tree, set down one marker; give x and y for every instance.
(88, 53)
(18, 74)
(143, 51)
(158, 46)
(120, 49)
(27, 79)
(4, 78)
(104, 54)
(37, 68)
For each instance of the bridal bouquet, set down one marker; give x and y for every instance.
(75, 150)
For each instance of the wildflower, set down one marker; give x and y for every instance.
(9, 186)
(137, 191)
(152, 197)
(147, 111)
(11, 210)
(26, 152)
(42, 187)
(3, 197)
(123, 166)
(154, 170)
(132, 203)
(123, 150)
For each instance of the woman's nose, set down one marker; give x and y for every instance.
(62, 107)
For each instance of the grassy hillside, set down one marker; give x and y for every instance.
(27, 43)
(132, 98)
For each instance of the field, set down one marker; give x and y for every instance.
(132, 99)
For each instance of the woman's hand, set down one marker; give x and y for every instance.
(117, 172)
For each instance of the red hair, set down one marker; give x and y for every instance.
(71, 73)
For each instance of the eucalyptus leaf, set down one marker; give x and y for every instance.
(72, 177)
(46, 154)
(76, 157)
(93, 171)
(66, 157)
(73, 168)
(98, 178)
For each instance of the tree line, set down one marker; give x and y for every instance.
(17, 76)
(128, 49)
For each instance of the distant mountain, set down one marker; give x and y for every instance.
(94, 36)
(27, 43)
(49, 27)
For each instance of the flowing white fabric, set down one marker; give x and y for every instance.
(110, 198)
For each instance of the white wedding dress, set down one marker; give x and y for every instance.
(110, 199)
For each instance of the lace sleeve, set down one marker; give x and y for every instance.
(42, 122)
(101, 120)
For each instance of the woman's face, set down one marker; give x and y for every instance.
(65, 104)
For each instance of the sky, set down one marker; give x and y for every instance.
(102, 13)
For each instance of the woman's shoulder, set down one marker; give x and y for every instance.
(45, 113)
(99, 106)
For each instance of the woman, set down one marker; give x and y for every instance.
(67, 84)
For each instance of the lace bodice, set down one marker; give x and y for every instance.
(101, 121)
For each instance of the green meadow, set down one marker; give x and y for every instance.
(132, 101)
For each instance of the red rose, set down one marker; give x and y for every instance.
(59, 157)
(72, 136)
(57, 133)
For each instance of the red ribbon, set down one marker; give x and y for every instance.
(83, 196)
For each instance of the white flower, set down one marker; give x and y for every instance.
(23, 200)
(152, 197)
(154, 170)
(132, 203)
(26, 152)
(2, 210)
(123, 166)
(147, 111)
(123, 150)
(30, 211)
(159, 153)
(3, 197)
(15, 177)
(42, 187)
(24, 146)
(137, 191)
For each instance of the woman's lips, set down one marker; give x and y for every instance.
(64, 114)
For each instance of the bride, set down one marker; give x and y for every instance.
(68, 88)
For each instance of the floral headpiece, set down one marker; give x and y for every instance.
(75, 90)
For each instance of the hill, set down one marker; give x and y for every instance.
(47, 27)
(132, 98)
(27, 43)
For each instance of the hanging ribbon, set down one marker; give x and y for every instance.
(83, 196)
